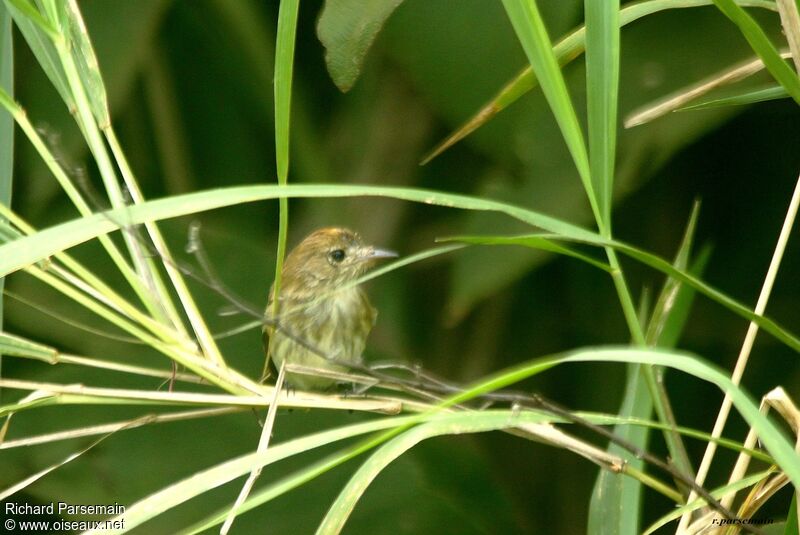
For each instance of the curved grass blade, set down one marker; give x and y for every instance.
(22, 252)
(28, 250)
(697, 504)
(223, 473)
(661, 265)
(566, 50)
(685, 95)
(762, 46)
(743, 99)
(157, 503)
(304, 475)
(775, 441)
(532, 35)
(461, 423)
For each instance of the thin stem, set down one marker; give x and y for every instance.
(86, 121)
(747, 345)
(72, 192)
(204, 336)
(263, 446)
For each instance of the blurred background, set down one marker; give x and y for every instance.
(190, 84)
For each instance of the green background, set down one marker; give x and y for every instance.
(190, 85)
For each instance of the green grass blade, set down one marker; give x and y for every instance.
(22, 252)
(566, 50)
(602, 88)
(347, 29)
(791, 527)
(667, 299)
(616, 501)
(472, 422)
(39, 34)
(284, 64)
(742, 99)
(762, 46)
(220, 474)
(456, 421)
(776, 443)
(6, 131)
(663, 266)
(606, 512)
(532, 35)
(20, 347)
(697, 504)
(86, 60)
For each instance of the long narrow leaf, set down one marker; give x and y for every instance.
(22, 252)
(532, 35)
(211, 478)
(762, 46)
(663, 266)
(19, 253)
(6, 128)
(602, 89)
(284, 66)
(776, 442)
(616, 501)
(566, 50)
(742, 99)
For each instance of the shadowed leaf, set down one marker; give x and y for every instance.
(347, 29)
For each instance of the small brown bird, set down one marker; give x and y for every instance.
(322, 319)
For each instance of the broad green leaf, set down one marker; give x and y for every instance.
(347, 29)
(762, 46)
(742, 99)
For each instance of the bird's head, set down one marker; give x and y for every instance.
(330, 257)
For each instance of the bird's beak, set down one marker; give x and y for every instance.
(374, 253)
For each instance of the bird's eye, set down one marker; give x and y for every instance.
(337, 255)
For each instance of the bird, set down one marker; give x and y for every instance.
(322, 318)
